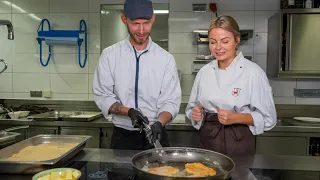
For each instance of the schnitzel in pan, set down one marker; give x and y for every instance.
(199, 169)
(164, 170)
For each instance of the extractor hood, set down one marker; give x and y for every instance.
(293, 44)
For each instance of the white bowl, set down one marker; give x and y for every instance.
(57, 170)
(14, 115)
(23, 113)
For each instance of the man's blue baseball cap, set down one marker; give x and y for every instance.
(138, 9)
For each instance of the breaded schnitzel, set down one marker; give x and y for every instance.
(164, 170)
(199, 169)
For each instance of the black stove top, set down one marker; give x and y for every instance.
(90, 171)
(281, 174)
(124, 171)
(104, 171)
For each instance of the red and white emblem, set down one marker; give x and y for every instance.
(236, 92)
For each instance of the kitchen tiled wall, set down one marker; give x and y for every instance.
(67, 80)
(250, 14)
(62, 76)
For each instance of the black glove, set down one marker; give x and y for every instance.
(156, 129)
(137, 118)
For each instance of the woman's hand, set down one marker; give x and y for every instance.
(227, 117)
(197, 113)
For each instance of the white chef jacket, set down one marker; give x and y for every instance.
(152, 84)
(242, 88)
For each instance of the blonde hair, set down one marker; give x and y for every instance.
(227, 23)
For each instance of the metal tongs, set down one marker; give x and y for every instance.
(147, 129)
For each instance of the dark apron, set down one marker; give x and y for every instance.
(134, 140)
(235, 139)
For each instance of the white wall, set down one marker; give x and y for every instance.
(68, 81)
(62, 76)
(250, 14)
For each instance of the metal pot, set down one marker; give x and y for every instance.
(178, 157)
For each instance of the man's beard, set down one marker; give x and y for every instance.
(137, 40)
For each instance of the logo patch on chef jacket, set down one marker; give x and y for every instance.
(236, 92)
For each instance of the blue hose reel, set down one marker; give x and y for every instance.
(63, 37)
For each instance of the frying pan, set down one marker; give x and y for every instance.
(177, 157)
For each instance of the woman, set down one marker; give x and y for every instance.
(231, 99)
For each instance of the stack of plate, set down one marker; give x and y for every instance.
(307, 119)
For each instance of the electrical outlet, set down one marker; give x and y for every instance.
(32, 93)
(46, 93)
(35, 93)
(38, 93)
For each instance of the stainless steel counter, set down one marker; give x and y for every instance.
(98, 123)
(242, 170)
(284, 125)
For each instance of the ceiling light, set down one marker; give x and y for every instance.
(161, 11)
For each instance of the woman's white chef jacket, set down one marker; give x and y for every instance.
(242, 88)
(147, 80)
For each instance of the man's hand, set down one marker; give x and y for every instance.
(137, 118)
(156, 129)
(117, 108)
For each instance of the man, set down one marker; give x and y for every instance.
(136, 74)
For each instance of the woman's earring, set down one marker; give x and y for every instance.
(237, 48)
(211, 55)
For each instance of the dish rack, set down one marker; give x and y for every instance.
(62, 37)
